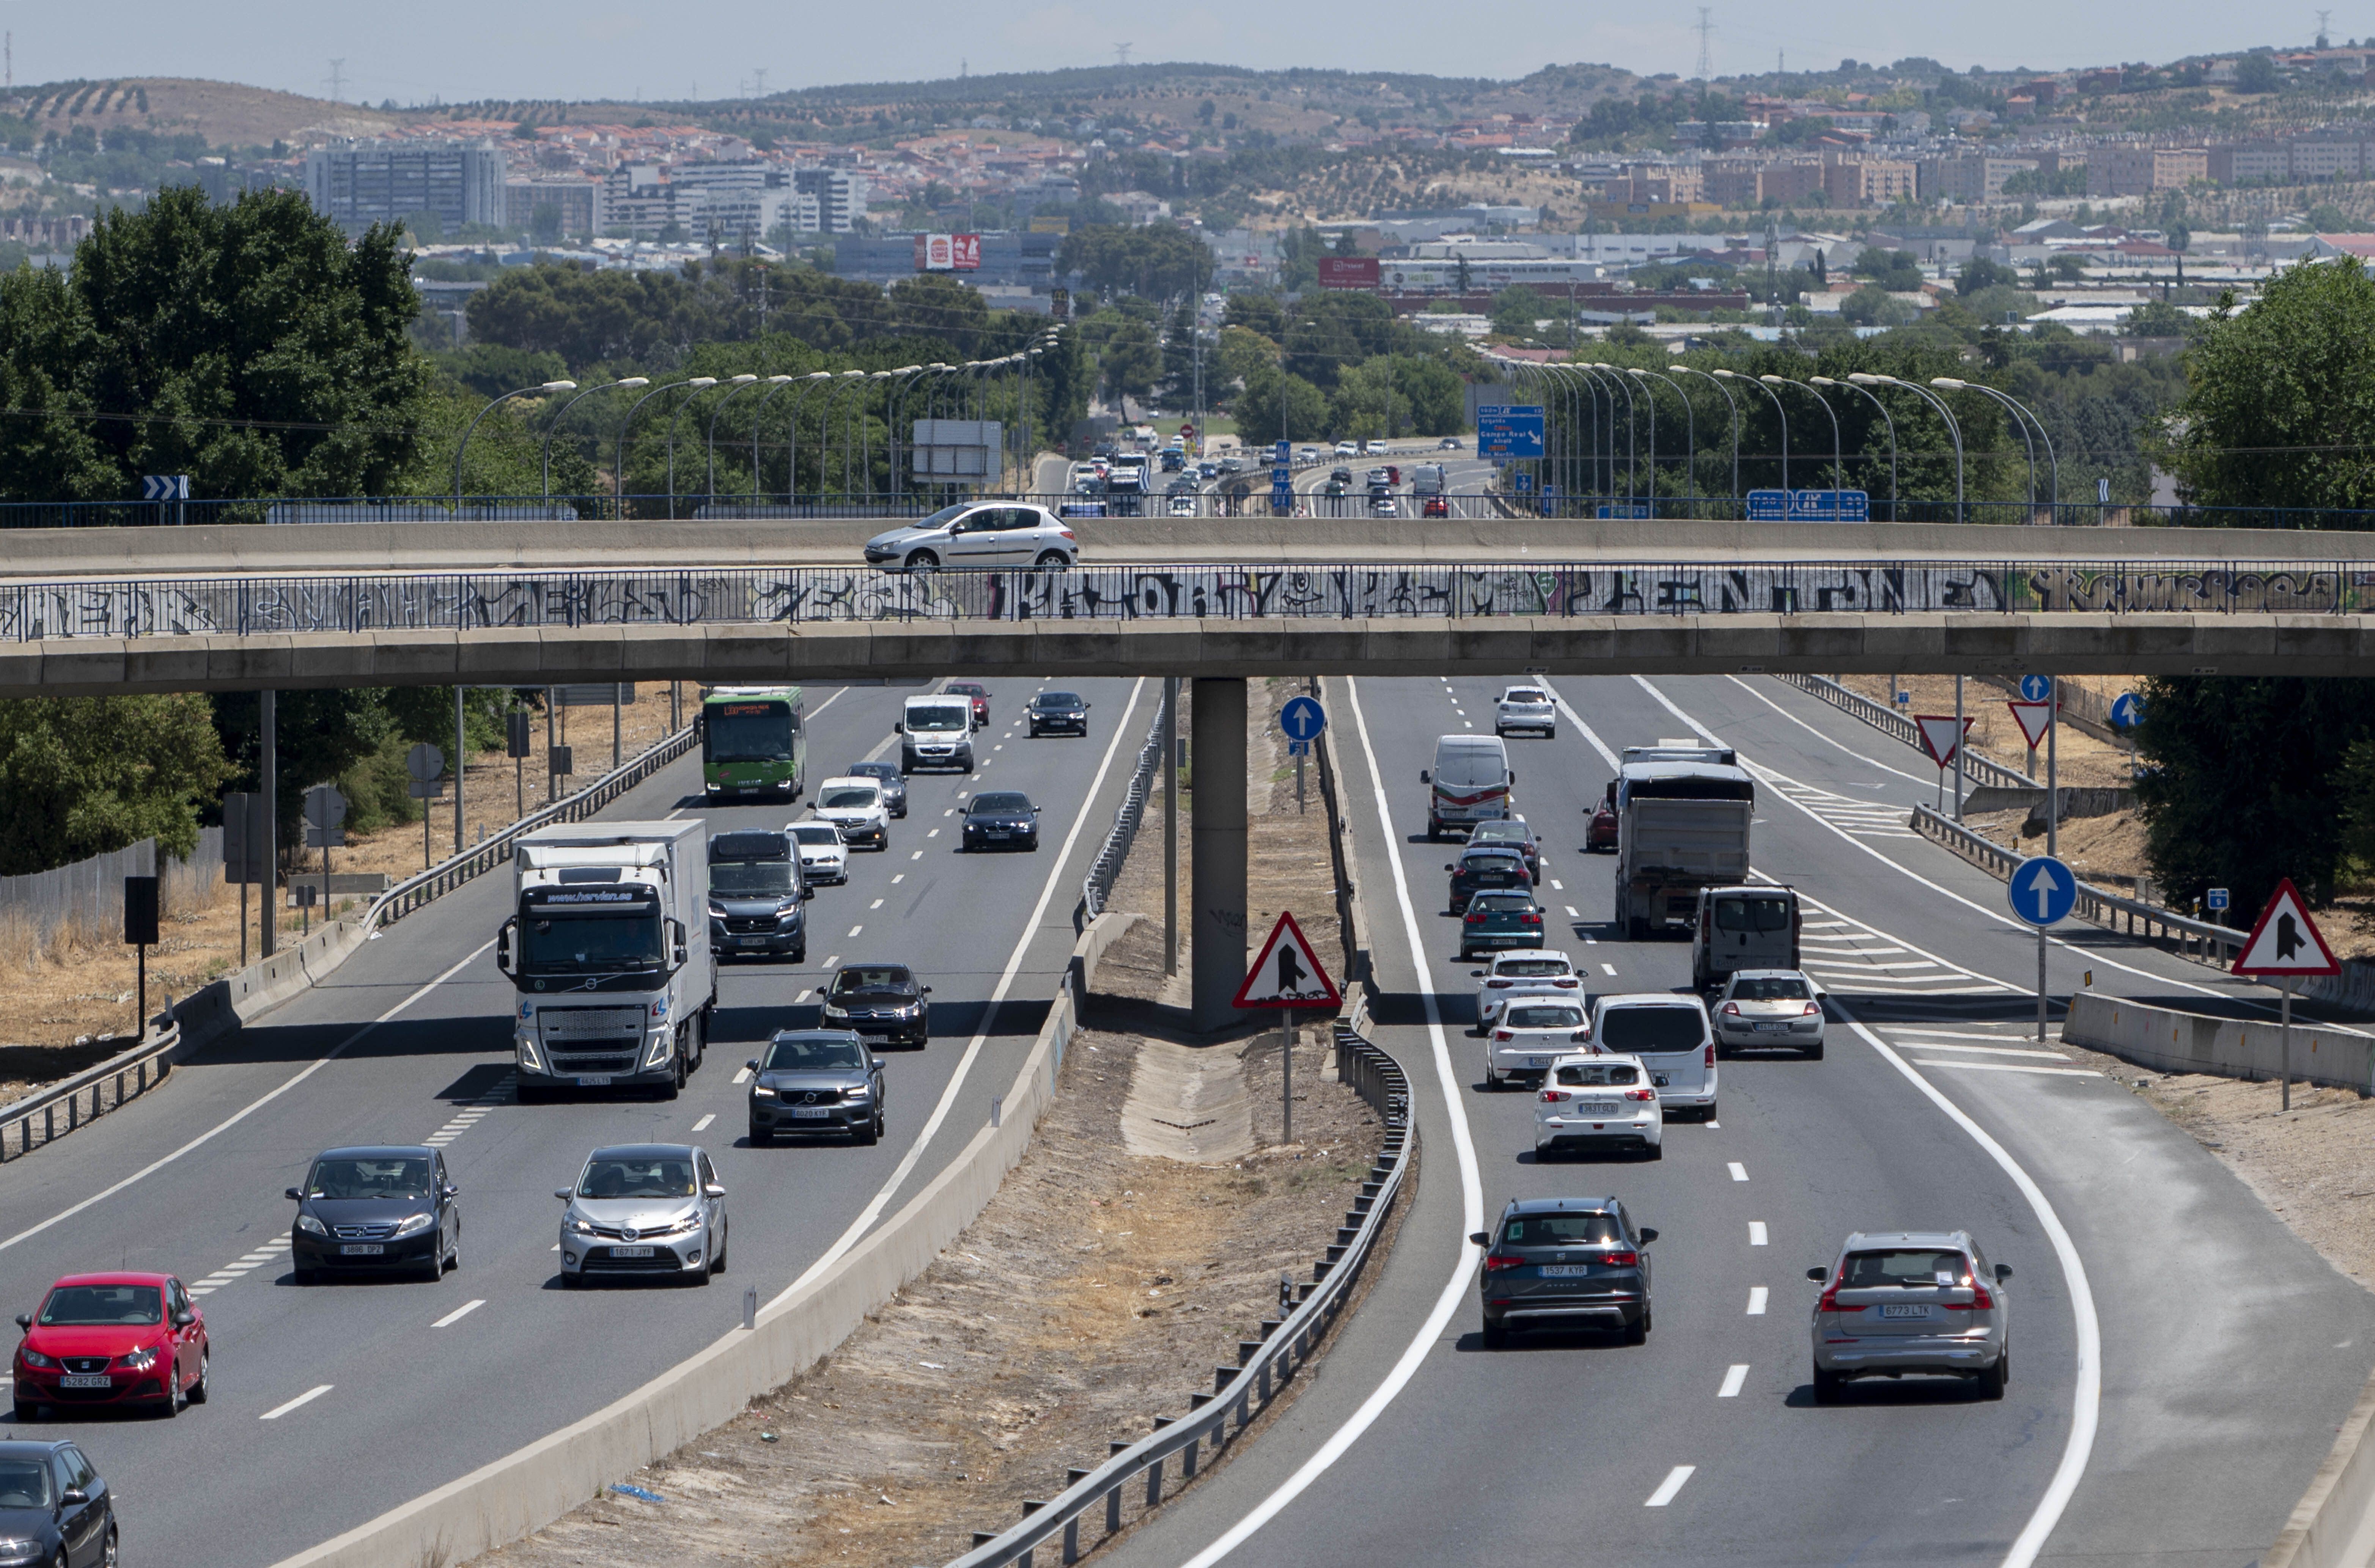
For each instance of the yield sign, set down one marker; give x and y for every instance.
(1941, 735)
(2035, 719)
(1288, 973)
(2285, 941)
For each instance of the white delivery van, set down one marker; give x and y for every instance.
(1673, 1037)
(1743, 928)
(1469, 784)
(937, 732)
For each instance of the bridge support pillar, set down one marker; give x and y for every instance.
(1217, 884)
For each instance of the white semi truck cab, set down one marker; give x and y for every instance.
(607, 949)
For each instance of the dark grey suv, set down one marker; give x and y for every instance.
(816, 1080)
(1565, 1262)
(54, 1508)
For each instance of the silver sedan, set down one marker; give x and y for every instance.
(1922, 1302)
(1770, 1009)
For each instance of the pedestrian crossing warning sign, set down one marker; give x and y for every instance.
(2285, 941)
(1288, 973)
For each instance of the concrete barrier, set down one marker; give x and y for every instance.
(525, 1491)
(218, 1007)
(2352, 991)
(2173, 1041)
(2333, 1524)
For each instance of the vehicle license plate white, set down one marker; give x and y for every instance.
(599, 1081)
(1599, 1108)
(1566, 1271)
(634, 1251)
(362, 1249)
(810, 1113)
(1905, 1312)
(77, 1381)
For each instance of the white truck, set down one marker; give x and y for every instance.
(607, 949)
(935, 731)
(1683, 812)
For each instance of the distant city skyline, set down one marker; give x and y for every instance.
(443, 50)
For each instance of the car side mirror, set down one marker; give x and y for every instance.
(1481, 1238)
(752, 1064)
(1422, 776)
(1647, 1236)
(898, 726)
(561, 1193)
(73, 1497)
(713, 1190)
(2003, 1272)
(1513, 775)
(1448, 867)
(504, 945)
(1475, 974)
(293, 1194)
(924, 990)
(184, 1317)
(878, 1064)
(1818, 1275)
(453, 1191)
(24, 1321)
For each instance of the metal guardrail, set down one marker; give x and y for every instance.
(1891, 722)
(1264, 1366)
(2188, 937)
(1097, 886)
(129, 1073)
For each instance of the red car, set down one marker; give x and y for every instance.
(112, 1339)
(1602, 832)
(980, 695)
(1436, 506)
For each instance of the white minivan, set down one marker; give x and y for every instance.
(1672, 1036)
(1469, 784)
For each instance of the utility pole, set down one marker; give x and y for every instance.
(337, 81)
(269, 779)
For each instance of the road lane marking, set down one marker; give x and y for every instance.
(1739, 1172)
(1757, 1296)
(1928, 1034)
(1985, 1049)
(451, 1318)
(702, 1124)
(2007, 1067)
(855, 929)
(307, 1397)
(876, 904)
(805, 994)
(919, 854)
(833, 959)
(899, 878)
(743, 1076)
(1608, 969)
(933, 834)
(1735, 1376)
(1671, 1485)
(1756, 1232)
(1573, 914)
(1557, 886)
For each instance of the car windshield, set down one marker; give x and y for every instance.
(849, 797)
(1752, 914)
(1544, 1018)
(1056, 700)
(945, 515)
(1560, 1229)
(939, 718)
(392, 1176)
(873, 977)
(24, 1484)
(750, 878)
(1637, 1031)
(1587, 1075)
(1519, 694)
(814, 1053)
(1503, 860)
(815, 832)
(1503, 902)
(1002, 802)
(1505, 833)
(1912, 1268)
(640, 1175)
(590, 942)
(94, 1305)
(883, 771)
(1772, 989)
(1530, 968)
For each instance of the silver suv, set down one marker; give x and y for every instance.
(1925, 1301)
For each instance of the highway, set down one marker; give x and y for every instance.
(2229, 1350)
(334, 1402)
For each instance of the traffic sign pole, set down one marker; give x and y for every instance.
(2286, 1031)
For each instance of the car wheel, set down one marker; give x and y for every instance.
(1051, 560)
(1814, 1053)
(1655, 1152)
(1495, 1336)
(675, 1083)
(1992, 1381)
(572, 1281)
(1637, 1331)
(922, 560)
(760, 1137)
(26, 1414)
(526, 1094)
(109, 1554)
(454, 1258)
(718, 1263)
(176, 1396)
(871, 1132)
(1827, 1388)
(205, 1384)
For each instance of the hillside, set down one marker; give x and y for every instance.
(225, 114)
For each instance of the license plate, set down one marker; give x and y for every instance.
(1599, 1108)
(1772, 1028)
(1538, 1061)
(1905, 1312)
(1566, 1271)
(749, 941)
(362, 1249)
(810, 1113)
(632, 1252)
(74, 1382)
(599, 1081)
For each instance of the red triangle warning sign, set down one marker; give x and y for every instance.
(2034, 718)
(1941, 735)
(1288, 973)
(2285, 941)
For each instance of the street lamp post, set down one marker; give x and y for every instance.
(1856, 386)
(792, 442)
(1631, 451)
(850, 379)
(897, 402)
(1780, 412)
(465, 443)
(555, 425)
(1690, 434)
(866, 435)
(2020, 411)
(1838, 466)
(758, 417)
(1734, 407)
(699, 386)
(709, 486)
(1954, 430)
(628, 424)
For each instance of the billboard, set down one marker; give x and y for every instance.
(1348, 272)
(1051, 224)
(1509, 430)
(964, 251)
(948, 253)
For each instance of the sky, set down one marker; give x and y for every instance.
(453, 52)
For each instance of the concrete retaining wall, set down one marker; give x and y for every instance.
(2333, 1524)
(525, 1491)
(2351, 991)
(2173, 1041)
(218, 1007)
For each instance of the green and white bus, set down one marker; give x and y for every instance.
(753, 742)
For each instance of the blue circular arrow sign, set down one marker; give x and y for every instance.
(2036, 688)
(2042, 891)
(1302, 718)
(2127, 711)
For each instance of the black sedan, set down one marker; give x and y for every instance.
(1062, 710)
(816, 1080)
(887, 774)
(376, 1209)
(54, 1508)
(1496, 870)
(883, 999)
(1000, 818)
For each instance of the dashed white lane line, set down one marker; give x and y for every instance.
(742, 1077)
(457, 1315)
(307, 1397)
(899, 878)
(1735, 1376)
(855, 929)
(1739, 1172)
(833, 959)
(1608, 969)
(1557, 886)
(949, 812)
(1572, 913)
(876, 904)
(1757, 1296)
(805, 994)
(933, 834)
(702, 1124)
(919, 854)
(1712, 1124)
(1669, 1486)
(1756, 1232)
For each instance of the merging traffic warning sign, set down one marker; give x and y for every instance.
(1942, 735)
(1288, 973)
(2285, 941)
(2034, 718)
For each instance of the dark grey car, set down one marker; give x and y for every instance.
(883, 999)
(816, 1080)
(1000, 818)
(755, 896)
(887, 774)
(376, 1209)
(1050, 712)
(54, 1507)
(1565, 1262)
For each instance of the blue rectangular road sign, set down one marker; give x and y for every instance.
(1509, 430)
(1808, 506)
(1623, 508)
(164, 487)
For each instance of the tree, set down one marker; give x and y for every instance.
(1900, 271)
(1980, 273)
(83, 775)
(1873, 305)
(1260, 312)
(1153, 261)
(2156, 318)
(1516, 309)
(1130, 360)
(1279, 407)
(2256, 72)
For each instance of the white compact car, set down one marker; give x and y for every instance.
(1533, 1031)
(977, 536)
(1527, 708)
(1515, 973)
(1347, 449)
(854, 804)
(1599, 1102)
(824, 856)
(1768, 1008)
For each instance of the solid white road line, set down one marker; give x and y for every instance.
(1818, 735)
(1472, 1200)
(1739, 1172)
(307, 1397)
(702, 1124)
(1757, 1296)
(1671, 1485)
(451, 1318)
(1735, 1376)
(1982, 1050)
(1756, 1232)
(2008, 1067)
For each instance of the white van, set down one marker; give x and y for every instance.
(1672, 1036)
(1743, 928)
(1469, 784)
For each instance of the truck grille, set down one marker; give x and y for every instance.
(591, 1066)
(590, 1024)
(751, 924)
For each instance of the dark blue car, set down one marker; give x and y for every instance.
(53, 1502)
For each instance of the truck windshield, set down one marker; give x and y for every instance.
(567, 944)
(941, 718)
(747, 732)
(750, 878)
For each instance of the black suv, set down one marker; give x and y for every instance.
(1565, 1262)
(1057, 710)
(1501, 868)
(54, 1502)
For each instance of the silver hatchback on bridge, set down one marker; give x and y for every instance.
(978, 536)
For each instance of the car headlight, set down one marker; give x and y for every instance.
(761, 1092)
(138, 1361)
(35, 1357)
(19, 1549)
(862, 1092)
(413, 1224)
(576, 1224)
(717, 909)
(312, 1226)
(832, 1011)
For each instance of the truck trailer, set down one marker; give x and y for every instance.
(1683, 813)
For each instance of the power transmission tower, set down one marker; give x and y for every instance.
(2322, 19)
(337, 81)
(1706, 62)
(762, 74)
(1121, 53)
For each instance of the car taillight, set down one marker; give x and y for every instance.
(1475, 917)
(1980, 1301)
(1618, 1259)
(1529, 920)
(1565, 984)
(1065, 532)
(1498, 985)
(1640, 1094)
(1830, 1301)
(1555, 1097)
(1497, 1261)
(1710, 1053)
(1813, 1010)
(1503, 1036)
(1732, 1008)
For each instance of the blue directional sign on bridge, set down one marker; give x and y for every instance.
(1302, 718)
(164, 487)
(1505, 431)
(2036, 688)
(1808, 506)
(2042, 891)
